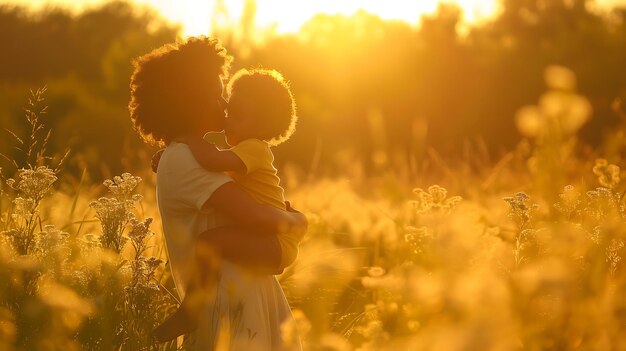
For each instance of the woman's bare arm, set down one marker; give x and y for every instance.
(238, 205)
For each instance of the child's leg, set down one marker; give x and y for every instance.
(260, 252)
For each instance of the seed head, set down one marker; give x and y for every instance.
(34, 184)
(608, 174)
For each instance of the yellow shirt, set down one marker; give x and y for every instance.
(261, 181)
(261, 178)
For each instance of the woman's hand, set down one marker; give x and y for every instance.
(300, 222)
(266, 219)
(155, 160)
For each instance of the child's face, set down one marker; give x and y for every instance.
(240, 122)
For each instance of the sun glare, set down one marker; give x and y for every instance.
(282, 16)
(288, 16)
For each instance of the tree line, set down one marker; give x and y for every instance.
(381, 92)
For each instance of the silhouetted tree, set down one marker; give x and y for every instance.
(85, 60)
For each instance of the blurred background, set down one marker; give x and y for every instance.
(460, 163)
(377, 83)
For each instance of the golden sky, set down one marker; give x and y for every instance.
(289, 15)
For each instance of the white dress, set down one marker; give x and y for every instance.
(248, 309)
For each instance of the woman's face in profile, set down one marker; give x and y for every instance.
(214, 121)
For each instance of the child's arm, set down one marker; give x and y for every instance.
(213, 159)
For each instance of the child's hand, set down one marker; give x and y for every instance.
(289, 208)
(184, 139)
(155, 160)
(189, 139)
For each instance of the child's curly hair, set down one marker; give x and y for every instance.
(171, 87)
(267, 93)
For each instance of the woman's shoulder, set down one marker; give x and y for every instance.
(177, 154)
(177, 158)
(177, 165)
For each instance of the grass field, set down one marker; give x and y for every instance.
(524, 253)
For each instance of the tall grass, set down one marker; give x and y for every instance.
(74, 289)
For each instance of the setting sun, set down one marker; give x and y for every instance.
(289, 16)
(198, 17)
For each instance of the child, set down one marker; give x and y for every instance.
(260, 114)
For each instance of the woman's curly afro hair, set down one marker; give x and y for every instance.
(175, 86)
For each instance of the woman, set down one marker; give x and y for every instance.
(176, 90)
